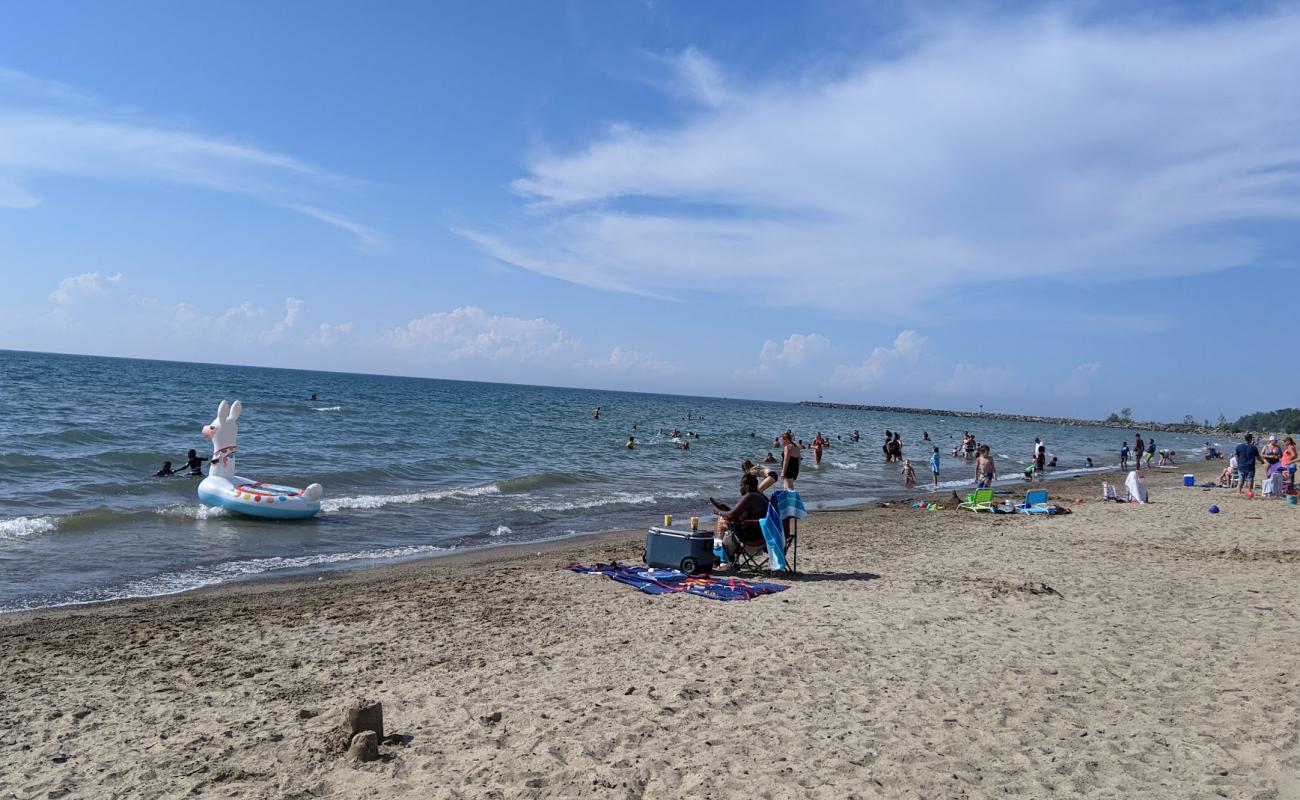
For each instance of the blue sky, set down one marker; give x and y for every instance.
(1055, 209)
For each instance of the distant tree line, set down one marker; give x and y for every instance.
(1284, 420)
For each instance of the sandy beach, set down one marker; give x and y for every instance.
(1119, 651)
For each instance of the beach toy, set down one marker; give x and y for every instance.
(1250, 495)
(1214, 509)
(224, 489)
(1292, 499)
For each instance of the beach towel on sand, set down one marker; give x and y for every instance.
(668, 581)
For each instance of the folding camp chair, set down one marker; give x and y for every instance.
(752, 554)
(981, 500)
(756, 558)
(1035, 503)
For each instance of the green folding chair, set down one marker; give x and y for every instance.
(982, 500)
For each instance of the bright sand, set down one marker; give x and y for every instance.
(910, 660)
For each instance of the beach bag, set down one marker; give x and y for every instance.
(1273, 486)
(1108, 491)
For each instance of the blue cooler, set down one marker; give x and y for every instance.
(685, 550)
(1189, 480)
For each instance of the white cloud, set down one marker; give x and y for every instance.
(994, 150)
(907, 349)
(83, 285)
(49, 129)
(980, 381)
(246, 322)
(470, 332)
(328, 334)
(622, 359)
(793, 351)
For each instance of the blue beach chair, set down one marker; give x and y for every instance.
(1035, 503)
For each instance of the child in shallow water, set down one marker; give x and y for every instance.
(909, 474)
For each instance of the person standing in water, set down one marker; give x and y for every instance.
(934, 467)
(818, 443)
(1139, 448)
(790, 456)
(596, 414)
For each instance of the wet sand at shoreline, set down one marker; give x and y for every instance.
(919, 654)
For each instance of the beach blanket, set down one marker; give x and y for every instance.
(668, 581)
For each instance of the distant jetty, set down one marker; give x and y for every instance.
(1172, 427)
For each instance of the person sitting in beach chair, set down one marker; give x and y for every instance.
(739, 526)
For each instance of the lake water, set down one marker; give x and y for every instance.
(411, 467)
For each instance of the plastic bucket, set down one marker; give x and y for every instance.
(1292, 499)
(1189, 480)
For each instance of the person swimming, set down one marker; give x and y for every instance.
(195, 462)
(631, 442)
(1087, 462)
(166, 471)
(313, 396)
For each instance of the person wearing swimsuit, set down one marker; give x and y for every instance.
(985, 469)
(789, 461)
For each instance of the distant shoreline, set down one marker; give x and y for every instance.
(1170, 427)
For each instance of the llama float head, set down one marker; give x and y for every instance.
(223, 431)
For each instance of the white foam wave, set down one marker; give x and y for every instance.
(501, 530)
(329, 408)
(613, 499)
(372, 501)
(617, 498)
(192, 511)
(850, 465)
(20, 527)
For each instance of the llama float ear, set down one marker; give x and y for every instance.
(234, 411)
(222, 411)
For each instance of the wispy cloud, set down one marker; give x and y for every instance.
(623, 359)
(367, 237)
(994, 150)
(50, 129)
(329, 334)
(471, 333)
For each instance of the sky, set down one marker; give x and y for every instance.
(1056, 209)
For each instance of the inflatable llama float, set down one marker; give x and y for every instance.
(224, 489)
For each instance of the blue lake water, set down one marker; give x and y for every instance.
(411, 467)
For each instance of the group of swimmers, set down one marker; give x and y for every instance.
(193, 463)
